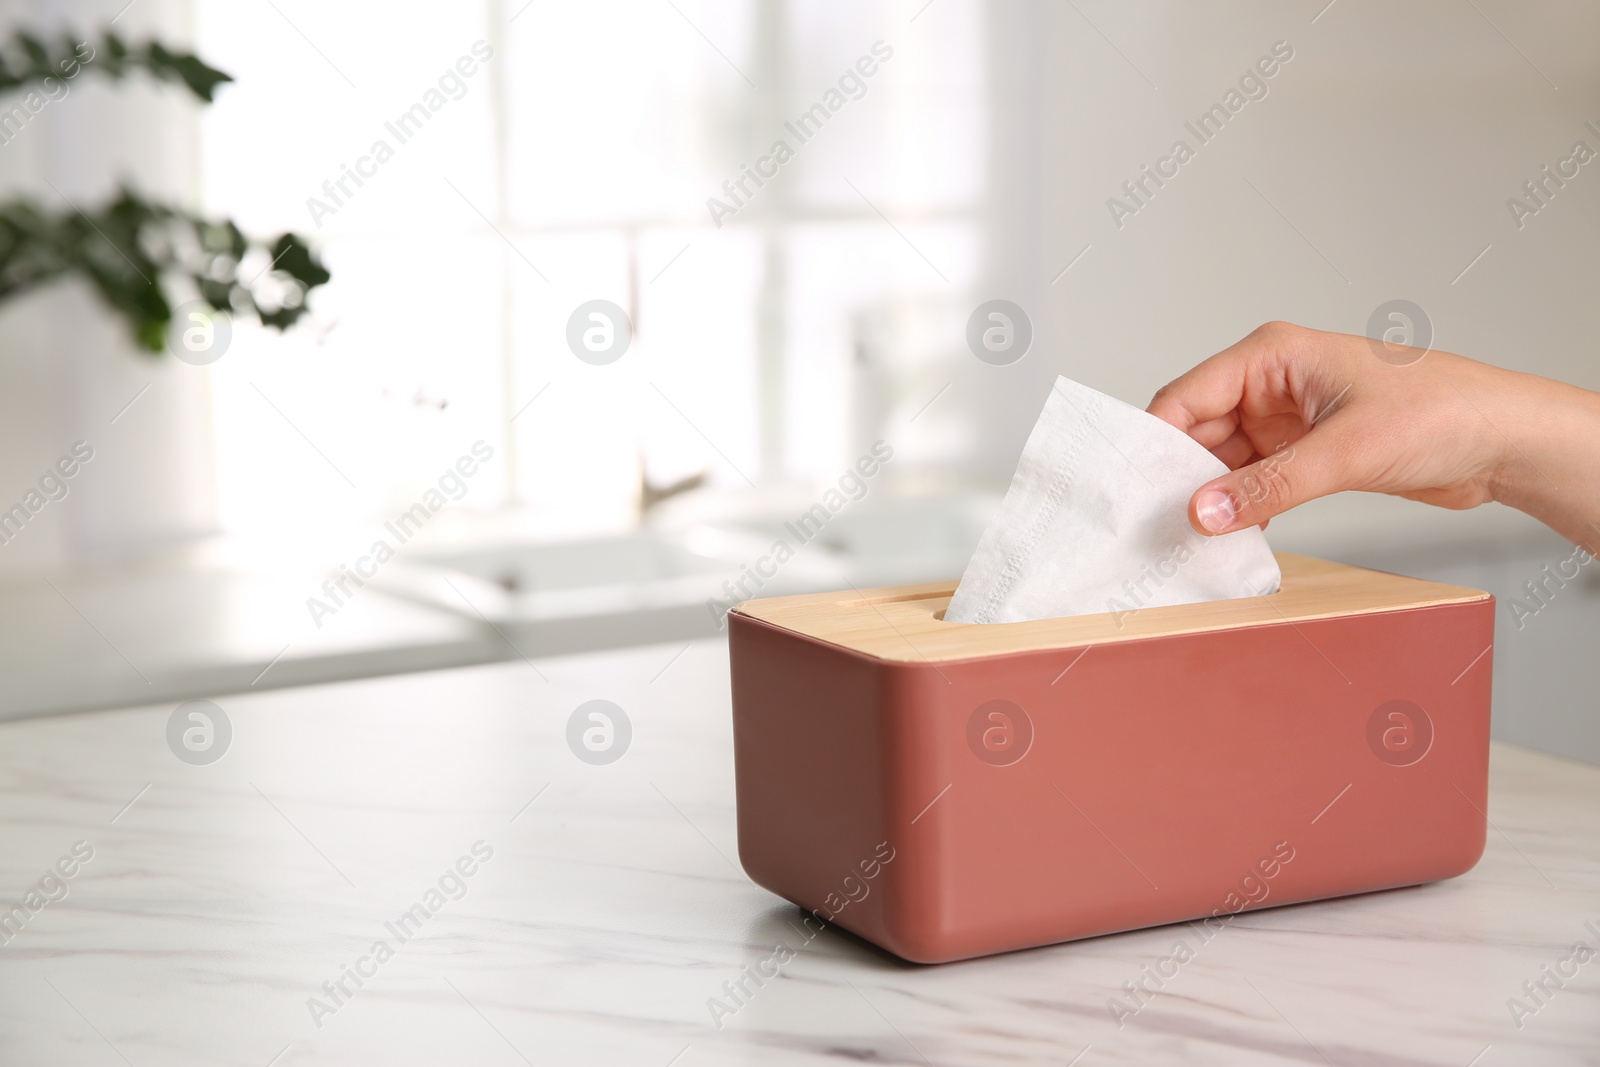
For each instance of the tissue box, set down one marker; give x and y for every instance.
(949, 791)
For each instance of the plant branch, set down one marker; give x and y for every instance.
(132, 250)
(29, 60)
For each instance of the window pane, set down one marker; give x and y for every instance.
(291, 122)
(842, 277)
(910, 136)
(398, 376)
(681, 400)
(617, 107)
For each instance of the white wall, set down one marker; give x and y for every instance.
(1390, 141)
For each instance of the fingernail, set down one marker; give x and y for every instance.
(1216, 511)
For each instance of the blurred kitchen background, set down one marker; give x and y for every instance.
(771, 347)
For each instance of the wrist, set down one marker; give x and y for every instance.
(1512, 403)
(1549, 449)
(1491, 425)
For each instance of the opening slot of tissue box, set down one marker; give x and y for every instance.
(905, 623)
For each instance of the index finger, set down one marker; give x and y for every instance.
(1211, 390)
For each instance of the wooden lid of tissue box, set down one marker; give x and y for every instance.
(906, 623)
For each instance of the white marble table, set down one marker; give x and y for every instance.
(220, 898)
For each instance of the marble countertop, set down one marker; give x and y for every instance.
(207, 913)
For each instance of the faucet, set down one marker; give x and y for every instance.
(651, 494)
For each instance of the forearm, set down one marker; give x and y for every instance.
(1550, 467)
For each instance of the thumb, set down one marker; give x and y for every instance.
(1251, 495)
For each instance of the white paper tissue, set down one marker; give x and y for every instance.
(1096, 520)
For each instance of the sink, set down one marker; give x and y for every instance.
(605, 592)
(631, 562)
(673, 582)
(921, 540)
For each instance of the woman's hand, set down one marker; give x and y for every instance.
(1298, 414)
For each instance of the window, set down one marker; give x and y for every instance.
(575, 163)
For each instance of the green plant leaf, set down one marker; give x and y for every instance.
(114, 59)
(293, 256)
(201, 79)
(131, 251)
